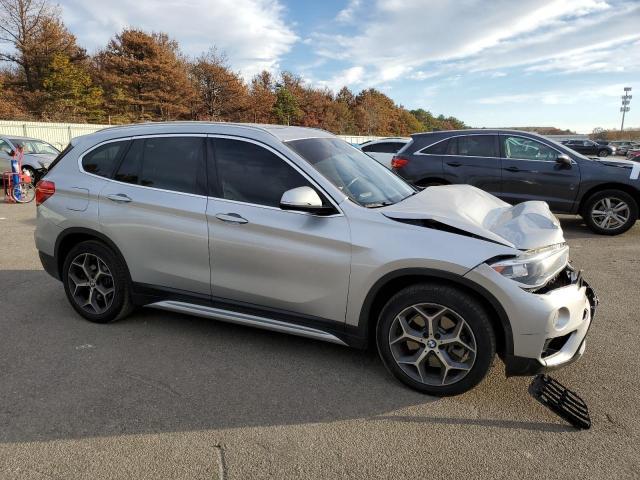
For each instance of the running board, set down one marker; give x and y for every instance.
(246, 319)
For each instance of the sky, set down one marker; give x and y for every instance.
(492, 63)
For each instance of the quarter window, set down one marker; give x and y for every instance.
(250, 173)
(102, 160)
(440, 148)
(168, 163)
(527, 149)
(477, 146)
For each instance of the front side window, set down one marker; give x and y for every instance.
(250, 173)
(365, 182)
(168, 163)
(477, 146)
(527, 149)
(102, 160)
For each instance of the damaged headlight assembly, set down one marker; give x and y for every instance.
(534, 268)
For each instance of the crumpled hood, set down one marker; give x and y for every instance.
(528, 225)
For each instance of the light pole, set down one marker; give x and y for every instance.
(626, 100)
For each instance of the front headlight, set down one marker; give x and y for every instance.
(534, 268)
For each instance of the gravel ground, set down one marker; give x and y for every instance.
(161, 395)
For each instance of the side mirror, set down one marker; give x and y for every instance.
(564, 160)
(304, 199)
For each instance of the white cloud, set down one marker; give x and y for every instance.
(350, 77)
(556, 97)
(253, 33)
(346, 15)
(419, 39)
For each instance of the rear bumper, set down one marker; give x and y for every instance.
(49, 264)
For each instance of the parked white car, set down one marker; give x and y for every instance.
(384, 149)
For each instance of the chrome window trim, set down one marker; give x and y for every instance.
(135, 137)
(419, 152)
(287, 161)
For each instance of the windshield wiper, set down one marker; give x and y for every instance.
(378, 204)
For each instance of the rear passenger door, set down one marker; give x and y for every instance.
(154, 211)
(474, 160)
(265, 257)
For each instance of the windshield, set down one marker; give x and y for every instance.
(35, 146)
(356, 174)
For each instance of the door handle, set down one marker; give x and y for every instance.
(119, 197)
(231, 218)
(512, 169)
(454, 164)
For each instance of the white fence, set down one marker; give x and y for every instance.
(60, 134)
(57, 134)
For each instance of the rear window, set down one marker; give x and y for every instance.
(477, 146)
(384, 147)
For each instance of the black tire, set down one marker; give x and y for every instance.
(603, 153)
(592, 202)
(120, 305)
(461, 304)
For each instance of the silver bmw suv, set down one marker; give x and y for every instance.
(294, 230)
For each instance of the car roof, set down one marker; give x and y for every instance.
(386, 139)
(282, 132)
(18, 137)
(442, 134)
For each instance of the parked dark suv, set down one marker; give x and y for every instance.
(519, 166)
(589, 147)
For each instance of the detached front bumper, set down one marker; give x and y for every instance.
(548, 326)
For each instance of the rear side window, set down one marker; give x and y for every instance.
(477, 146)
(252, 174)
(102, 160)
(440, 148)
(168, 163)
(384, 147)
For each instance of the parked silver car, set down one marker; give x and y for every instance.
(38, 154)
(294, 230)
(384, 149)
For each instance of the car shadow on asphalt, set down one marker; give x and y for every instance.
(62, 377)
(479, 422)
(575, 228)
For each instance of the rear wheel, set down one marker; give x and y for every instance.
(610, 212)
(96, 282)
(436, 339)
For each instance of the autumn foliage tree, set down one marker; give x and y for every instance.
(142, 76)
(145, 77)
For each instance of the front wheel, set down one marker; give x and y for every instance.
(610, 212)
(436, 339)
(603, 153)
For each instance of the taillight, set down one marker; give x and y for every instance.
(399, 162)
(44, 189)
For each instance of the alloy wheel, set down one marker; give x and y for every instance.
(610, 213)
(91, 283)
(432, 344)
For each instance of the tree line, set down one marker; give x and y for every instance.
(144, 76)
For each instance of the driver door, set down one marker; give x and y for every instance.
(530, 172)
(266, 257)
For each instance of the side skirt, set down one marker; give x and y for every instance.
(246, 319)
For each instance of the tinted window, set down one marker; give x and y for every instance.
(477, 146)
(527, 149)
(384, 147)
(102, 160)
(440, 148)
(169, 163)
(250, 173)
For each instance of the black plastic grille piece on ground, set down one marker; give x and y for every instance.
(560, 400)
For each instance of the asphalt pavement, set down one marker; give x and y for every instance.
(161, 395)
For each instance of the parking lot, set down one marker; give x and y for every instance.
(162, 395)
